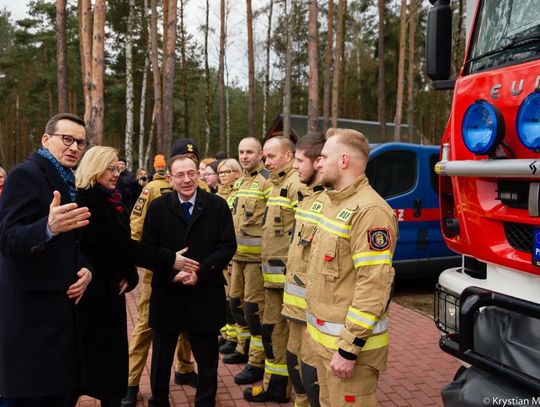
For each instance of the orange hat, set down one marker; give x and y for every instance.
(159, 161)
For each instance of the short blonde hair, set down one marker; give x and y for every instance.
(2, 171)
(350, 138)
(231, 163)
(94, 163)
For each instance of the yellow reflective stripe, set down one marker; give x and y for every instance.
(293, 300)
(251, 194)
(294, 203)
(249, 249)
(279, 201)
(267, 191)
(372, 258)
(329, 341)
(361, 318)
(338, 229)
(274, 278)
(274, 368)
(243, 332)
(306, 216)
(256, 343)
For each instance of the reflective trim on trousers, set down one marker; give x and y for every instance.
(273, 368)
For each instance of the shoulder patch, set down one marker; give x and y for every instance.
(317, 207)
(344, 215)
(238, 183)
(378, 239)
(137, 209)
(145, 191)
(254, 185)
(166, 190)
(265, 173)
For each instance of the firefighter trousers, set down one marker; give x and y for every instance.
(141, 338)
(359, 390)
(247, 307)
(275, 332)
(301, 367)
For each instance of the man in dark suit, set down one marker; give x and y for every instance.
(42, 275)
(192, 301)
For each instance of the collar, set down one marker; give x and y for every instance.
(192, 199)
(255, 171)
(351, 189)
(281, 173)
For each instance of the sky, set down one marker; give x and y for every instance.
(194, 19)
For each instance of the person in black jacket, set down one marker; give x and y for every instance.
(42, 274)
(200, 225)
(107, 245)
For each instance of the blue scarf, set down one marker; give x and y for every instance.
(66, 173)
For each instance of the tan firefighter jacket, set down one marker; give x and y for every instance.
(250, 194)
(227, 192)
(278, 224)
(350, 274)
(306, 220)
(154, 189)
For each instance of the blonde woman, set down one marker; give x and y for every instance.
(228, 171)
(2, 179)
(107, 245)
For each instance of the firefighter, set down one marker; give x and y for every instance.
(300, 360)
(277, 229)
(350, 275)
(141, 336)
(246, 290)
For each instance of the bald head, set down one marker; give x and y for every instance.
(277, 151)
(249, 153)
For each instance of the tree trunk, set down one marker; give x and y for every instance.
(228, 117)
(98, 108)
(128, 145)
(251, 71)
(142, 111)
(337, 62)
(267, 66)
(288, 11)
(208, 99)
(157, 110)
(184, 68)
(222, 107)
(401, 70)
(61, 56)
(381, 90)
(328, 66)
(410, 73)
(169, 47)
(313, 51)
(85, 47)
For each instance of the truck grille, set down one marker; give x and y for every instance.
(519, 236)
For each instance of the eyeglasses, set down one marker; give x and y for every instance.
(114, 170)
(181, 175)
(69, 140)
(226, 172)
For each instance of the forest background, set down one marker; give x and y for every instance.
(142, 77)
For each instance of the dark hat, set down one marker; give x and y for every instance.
(214, 165)
(185, 146)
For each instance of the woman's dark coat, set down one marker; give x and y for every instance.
(107, 245)
(211, 241)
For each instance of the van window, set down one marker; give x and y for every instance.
(434, 159)
(392, 173)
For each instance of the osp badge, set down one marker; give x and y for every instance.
(378, 239)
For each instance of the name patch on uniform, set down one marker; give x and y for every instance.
(317, 207)
(237, 184)
(255, 185)
(378, 239)
(344, 215)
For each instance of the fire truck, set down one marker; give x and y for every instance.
(488, 309)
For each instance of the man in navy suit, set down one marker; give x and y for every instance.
(42, 275)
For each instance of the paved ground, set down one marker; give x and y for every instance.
(417, 368)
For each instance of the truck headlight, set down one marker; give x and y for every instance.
(528, 122)
(482, 128)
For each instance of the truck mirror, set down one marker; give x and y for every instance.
(439, 41)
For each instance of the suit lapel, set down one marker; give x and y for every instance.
(52, 176)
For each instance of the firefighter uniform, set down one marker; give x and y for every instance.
(141, 336)
(350, 277)
(278, 224)
(246, 291)
(300, 360)
(228, 332)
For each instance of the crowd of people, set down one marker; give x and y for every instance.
(281, 261)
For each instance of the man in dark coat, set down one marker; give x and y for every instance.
(126, 183)
(42, 275)
(192, 301)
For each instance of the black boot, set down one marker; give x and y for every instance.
(131, 397)
(228, 347)
(189, 378)
(277, 391)
(249, 375)
(235, 358)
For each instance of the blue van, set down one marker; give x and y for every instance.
(404, 175)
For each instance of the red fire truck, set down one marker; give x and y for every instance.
(489, 308)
